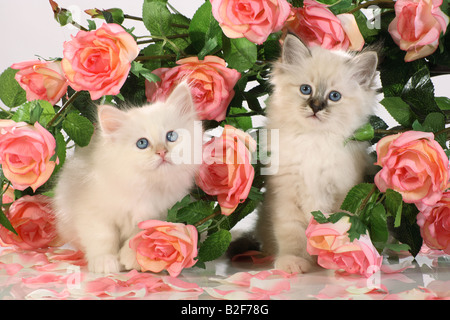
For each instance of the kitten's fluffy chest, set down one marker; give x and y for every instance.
(320, 166)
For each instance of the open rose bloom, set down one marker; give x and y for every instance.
(414, 165)
(417, 27)
(226, 171)
(25, 153)
(251, 19)
(316, 25)
(334, 250)
(434, 222)
(41, 80)
(99, 61)
(165, 246)
(210, 80)
(34, 221)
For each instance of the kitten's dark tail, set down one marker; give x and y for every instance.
(245, 243)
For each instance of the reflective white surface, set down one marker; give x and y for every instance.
(51, 274)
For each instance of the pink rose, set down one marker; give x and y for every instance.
(210, 80)
(316, 25)
(252, 19)
(330, 242)
(434, 224)
(226, 171)
(25, 153)
(99, 61)
(34, 221)
(414, 165)
(41, 80)
(417, 26)
(165, 246)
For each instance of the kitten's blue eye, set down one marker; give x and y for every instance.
(172, 136)
(305, 89)
(334, 96)
(142, 143)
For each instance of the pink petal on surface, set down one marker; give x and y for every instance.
(235, 294)
(269, 286)
(180, 285)
(11, 268)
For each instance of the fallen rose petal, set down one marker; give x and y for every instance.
(180, 285)
(269, 286)
(44, 278)
(67, 255)
(46, 294)
(11, 268)
(235, 294)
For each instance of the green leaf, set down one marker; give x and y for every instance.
(156, 17)
(399, 110)
(155, 49)
(240, 54)
(419, 93)
(114, 15)
(443, 103)
(204, 31)
(394, 203)
(244, 123)
(172, 213)
(361, 20)
(357, 228)
(78, 128)
(211, 45)
(319, 217)
(60, 151)
(408, 231)
(357, 195)
(36, 110)
(435, 122)
(255, 194)
(397, 247)
(5, 222)
(377, 223)
(11, 93)
(195, 211)
(160, 22)
(214, 246)
(394, 72)
(365, 133)
(138, 69)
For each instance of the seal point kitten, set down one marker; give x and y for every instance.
(319, 99)
(126, 175)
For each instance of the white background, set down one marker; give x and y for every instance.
(27, 28)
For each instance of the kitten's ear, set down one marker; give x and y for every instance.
(294, 50)
(365, 67)
(181, 99)
(110, 118)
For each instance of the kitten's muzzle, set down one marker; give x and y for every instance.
(317, 104)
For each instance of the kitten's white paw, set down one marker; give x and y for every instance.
(127, 258)
(107, 263)
(292, 264)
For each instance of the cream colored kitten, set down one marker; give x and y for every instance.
(320, 98)
(129, 173)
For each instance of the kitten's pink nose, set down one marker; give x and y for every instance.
(162, 153)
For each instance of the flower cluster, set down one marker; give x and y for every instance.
(334, 250)
(416, 166)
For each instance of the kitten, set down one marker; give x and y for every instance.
(320, 98)
(129, 173)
